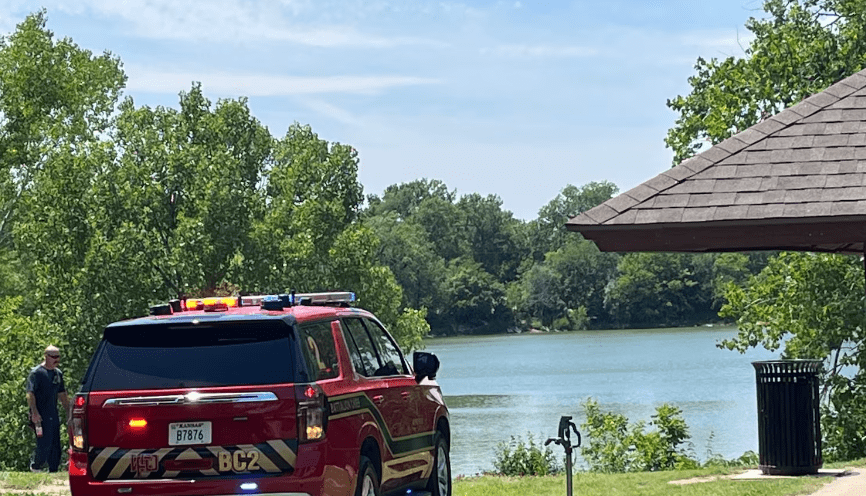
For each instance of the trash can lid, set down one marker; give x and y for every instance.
(797, 365)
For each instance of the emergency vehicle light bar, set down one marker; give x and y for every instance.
(301, 299)
(268, 302)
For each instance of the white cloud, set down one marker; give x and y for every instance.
(158, 81)
(338, 114)
(301, 22)
(542, 51)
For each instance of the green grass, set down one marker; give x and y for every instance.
(585, 484)
(29, 480)
(636, 484)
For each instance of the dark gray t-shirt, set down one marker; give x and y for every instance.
(45, 385)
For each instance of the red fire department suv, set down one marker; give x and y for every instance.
(288, 395)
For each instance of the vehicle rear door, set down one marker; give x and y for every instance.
(193, 403)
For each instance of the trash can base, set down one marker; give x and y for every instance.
(774, 470)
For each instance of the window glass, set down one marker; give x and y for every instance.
(320, 353)
(354, 354)
(163, 357)
(366, 350)
(392, 361)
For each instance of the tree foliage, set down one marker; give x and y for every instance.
(811, 306)
(800, 47)
(653, 288)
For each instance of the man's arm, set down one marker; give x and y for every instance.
(64, 400)
(34, 412)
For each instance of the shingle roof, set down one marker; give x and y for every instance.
(798, 178)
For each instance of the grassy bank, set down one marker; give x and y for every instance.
(715, 483)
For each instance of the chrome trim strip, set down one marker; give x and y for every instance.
(134, 482)
(191, 398)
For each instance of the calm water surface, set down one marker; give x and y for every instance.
(504, 385)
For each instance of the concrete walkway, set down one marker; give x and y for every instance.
(847, 482)
(853, 483)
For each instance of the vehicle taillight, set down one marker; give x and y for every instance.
(138, 423)
(312, 414)
(76, 436)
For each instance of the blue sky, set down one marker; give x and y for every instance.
(513, 98)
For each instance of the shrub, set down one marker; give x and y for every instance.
(615, 446)
(747, 459)
(518, 458)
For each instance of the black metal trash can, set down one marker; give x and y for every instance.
(789, 416)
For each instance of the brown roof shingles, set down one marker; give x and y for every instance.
(808, 160)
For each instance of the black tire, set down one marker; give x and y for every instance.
(439, 483)
(368, 479)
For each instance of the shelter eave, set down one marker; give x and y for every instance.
(836, 235)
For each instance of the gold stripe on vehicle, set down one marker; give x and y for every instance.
(284, 451)
(391, 473)
(123, 464)
(101, 458)
(264, 461)
(187, 454)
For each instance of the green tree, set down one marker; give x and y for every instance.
(584, 272)
(55, 97)
(811, 306)
(443, 221)
(658, 289)
(405, 199)
(476, 299)
(491, 235)
(405, 249)
(799, 48)
(547, 232)
(539, 295)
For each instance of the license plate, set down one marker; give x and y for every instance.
(183, 433)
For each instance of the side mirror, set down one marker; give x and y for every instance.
(425, 365)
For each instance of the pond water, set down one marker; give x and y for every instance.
(512, 385)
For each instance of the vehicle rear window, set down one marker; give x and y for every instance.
(317, 341)
(185, 356)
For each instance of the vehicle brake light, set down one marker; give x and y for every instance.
(312, 415)
(138, 423)
(78, 433)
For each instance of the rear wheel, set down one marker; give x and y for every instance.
(439, 483)
(368, 480)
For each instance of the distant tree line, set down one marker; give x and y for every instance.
(477, 269)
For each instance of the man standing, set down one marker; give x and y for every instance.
(44, 387)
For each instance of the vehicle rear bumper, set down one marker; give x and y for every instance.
(309, 479)
(83, 485)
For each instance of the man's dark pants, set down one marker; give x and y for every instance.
(47, 446)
